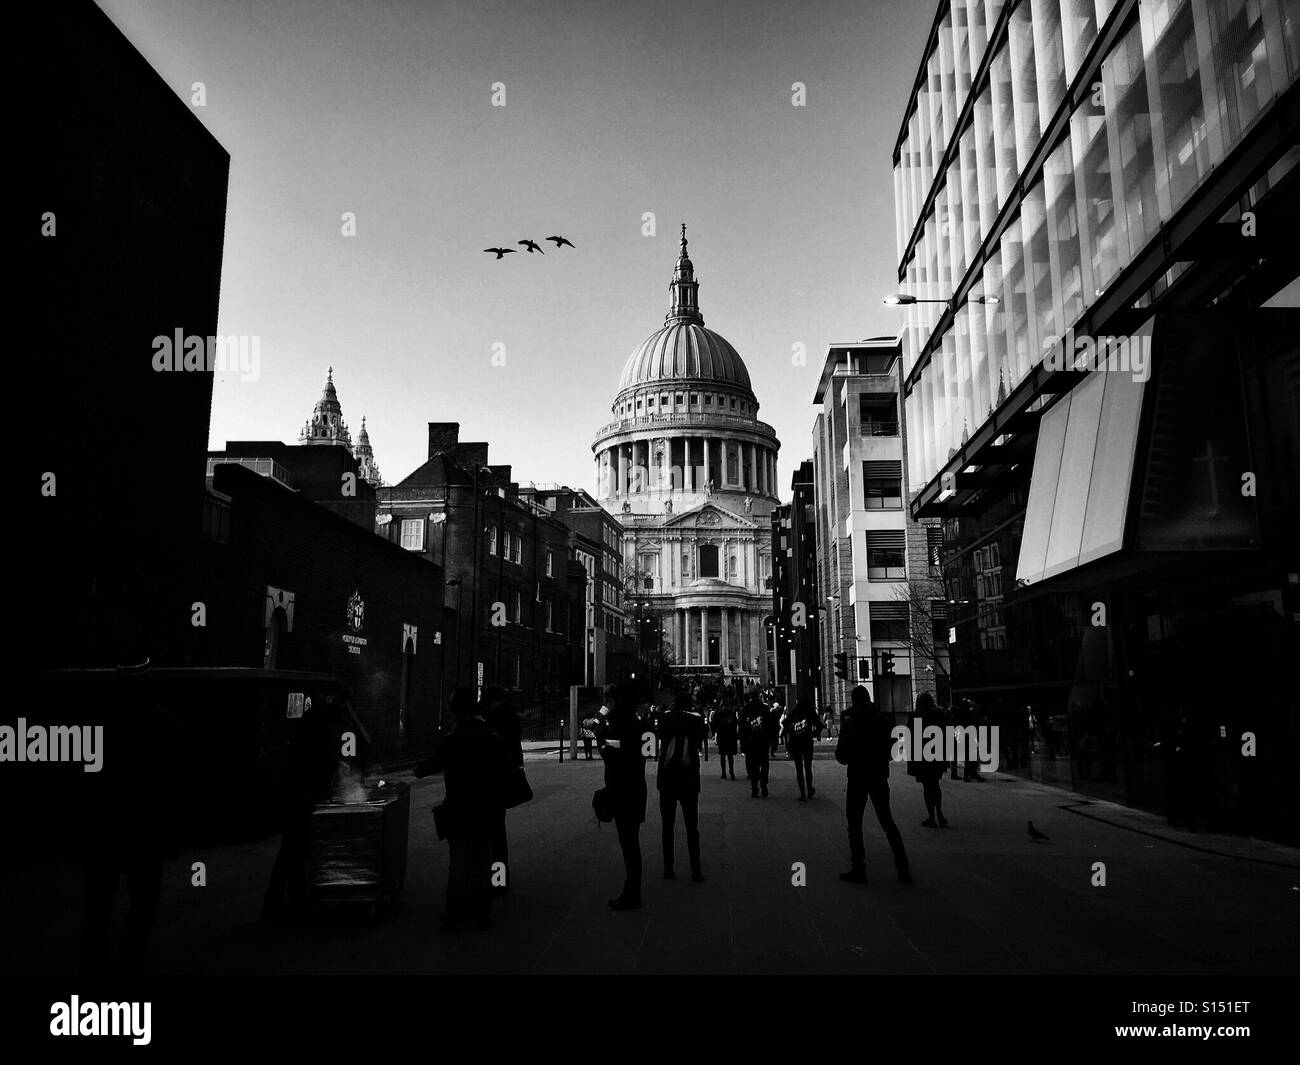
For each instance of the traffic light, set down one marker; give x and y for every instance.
(842, 665)
(864, 669)
(886, 663)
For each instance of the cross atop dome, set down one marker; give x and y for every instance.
(326, 424)
(685, 289)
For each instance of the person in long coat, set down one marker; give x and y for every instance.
(802, 727)
(928, 772)
(621, 748)
(724, 724)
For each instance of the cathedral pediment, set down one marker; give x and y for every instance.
(709, 516)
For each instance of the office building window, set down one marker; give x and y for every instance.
(888, 621)
(886, 559)
(492, 539)
(882, 485)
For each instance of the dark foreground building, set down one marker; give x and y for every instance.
(1102, 200)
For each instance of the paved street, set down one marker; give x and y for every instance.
(987, 898)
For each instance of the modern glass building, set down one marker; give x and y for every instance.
(1100, 198)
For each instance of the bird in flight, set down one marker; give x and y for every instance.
(501, 252)
(531, 245)
(561, 241)
(1034, 834)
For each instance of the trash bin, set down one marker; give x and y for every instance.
(357, 850)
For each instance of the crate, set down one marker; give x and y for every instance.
(357, 850)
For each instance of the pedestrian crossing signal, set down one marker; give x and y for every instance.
(886, 663)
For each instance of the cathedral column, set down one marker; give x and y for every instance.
(705, 480)
(758, 469)
(725, 469)
(752, 479)
(620, 470)
(725, 650)
(704, 636)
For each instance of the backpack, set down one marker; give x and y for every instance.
(680, 758)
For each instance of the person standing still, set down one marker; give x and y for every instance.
(501, 718)
(681, 734)
(755, 742)
(865, 747)
(620, 748)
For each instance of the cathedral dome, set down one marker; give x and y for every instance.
(684, 350)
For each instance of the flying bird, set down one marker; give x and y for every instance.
(531, 245)
(501, 252)
(1034, 834)
(561, 241)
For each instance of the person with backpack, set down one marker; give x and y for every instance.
(865, 747)
(802, 727)
(681, 733)
(724, 724)
(755, 744)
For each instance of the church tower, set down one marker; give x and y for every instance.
(326, 424)
(365, 457)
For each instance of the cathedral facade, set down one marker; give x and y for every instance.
(691, 473)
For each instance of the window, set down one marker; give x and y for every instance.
(708, 401)
(550, 613)
(550, 563)
(492, 539)
(505, 545)
(885, 555)
(679, 399)
(888, 621)
(519, 550)
(413, 534)
(695, 399)
(708, 560)
(517, 607)
(878, 415)
(882, 485)
(934, 548)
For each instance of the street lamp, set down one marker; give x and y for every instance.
(901, 299)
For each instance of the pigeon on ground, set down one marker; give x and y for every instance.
(501, 252)
(1034, 834)
(531, 245)
(561, 241)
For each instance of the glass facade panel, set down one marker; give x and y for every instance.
(1004, 124)
(985, 161)
(1174, 82)
(1247, 60)
(1078, 31)
(1094, 186)
(1024, 83)
(1063, 234)
(1043, 308)
(1128, 128)
(1049, 56)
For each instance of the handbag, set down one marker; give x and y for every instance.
(518, 791)
(603, 805)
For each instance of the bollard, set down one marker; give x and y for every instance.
(561, 741)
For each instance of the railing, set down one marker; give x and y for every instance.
(880, 428)
(263, 467)
(652, 421)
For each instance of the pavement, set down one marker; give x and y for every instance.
(987, 898)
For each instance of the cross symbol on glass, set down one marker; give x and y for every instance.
(1210, 459)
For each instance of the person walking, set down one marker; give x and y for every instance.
(802, 727)
(620, 748)
(681, 733)
(755, 744)
(928, 771)
(477, 766)
(501, 718)
(865, 747)
(724, 724)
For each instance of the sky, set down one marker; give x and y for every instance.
(612, 110)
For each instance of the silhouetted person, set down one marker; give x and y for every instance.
(129, 815)
(725, 727)
(501, 718)
(312, 757)
(476, 767)
(681, 733)
(755, 744)
(928, 772)
(802, 727)
(865, 748)
(625, 780)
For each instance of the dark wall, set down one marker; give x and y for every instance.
(137, 188)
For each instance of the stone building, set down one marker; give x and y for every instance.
(692, 475)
